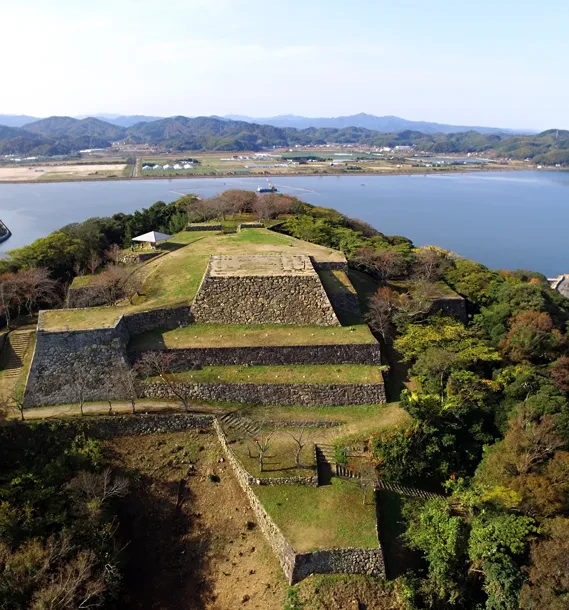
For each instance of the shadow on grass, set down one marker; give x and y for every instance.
(391, 527)
(166, 567)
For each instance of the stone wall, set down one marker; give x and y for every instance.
(199, 227)
(133, 257)
(347, 302)
(63, 357)
(188, 358)
(263, 300)
(280, 545)
(453, 306)
(331, 265)
(280, 394)
(250, 225)
(297, 566)
(339, 561)
(168, 318)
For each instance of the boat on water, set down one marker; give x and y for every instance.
(270, 188)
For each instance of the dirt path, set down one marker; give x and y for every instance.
(195, 546)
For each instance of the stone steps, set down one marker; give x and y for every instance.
(242, 424)
(16, 347)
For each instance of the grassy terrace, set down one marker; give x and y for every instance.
(175, 278)
(314, 374)
(279, 460)
(324, 517)
(222, 335)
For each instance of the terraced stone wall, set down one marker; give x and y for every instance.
(187, 358)
(280, 394)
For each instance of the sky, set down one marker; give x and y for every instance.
(493, 62)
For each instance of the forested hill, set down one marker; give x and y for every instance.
(64, 135)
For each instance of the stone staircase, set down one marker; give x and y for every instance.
(325, 463)
(347, 473)
(16, 347)
(243, 425)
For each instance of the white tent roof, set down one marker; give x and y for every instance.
(152, 237)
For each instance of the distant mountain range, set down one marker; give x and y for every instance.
(66, 135)
(383, 124)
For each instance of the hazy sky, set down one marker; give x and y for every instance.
(491, 62)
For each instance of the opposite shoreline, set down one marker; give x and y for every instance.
(291, 175)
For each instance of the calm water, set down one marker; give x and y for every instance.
(504, 220)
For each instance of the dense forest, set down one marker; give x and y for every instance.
(65, 135)
(487, 400)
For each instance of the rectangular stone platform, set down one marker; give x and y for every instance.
(263, 289)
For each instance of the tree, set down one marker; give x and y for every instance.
(18, 399)
(159, 364)
(263, 442)
(300, 441)
(80, 383)
(547, 585)
(125, 383)
(94, 261)
(531, 337)
(132, 286)
(559, 373)
(442, 538)
(239, 201)
(383, 264)
(110, 284)
(264, 207)
(430, 264)
(381, 307)
(10, 302)
(113, 253)
(35, 288)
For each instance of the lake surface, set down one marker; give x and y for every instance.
(504, 220)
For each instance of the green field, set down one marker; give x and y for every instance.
(222, 335)
(331, 516)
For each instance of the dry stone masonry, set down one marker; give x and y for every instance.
(263, 289)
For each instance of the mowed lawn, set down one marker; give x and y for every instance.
(326, 517)
(175, 278)
(225, 335)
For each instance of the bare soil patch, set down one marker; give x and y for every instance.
(194, 545)
(40, 172)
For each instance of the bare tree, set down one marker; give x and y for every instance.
(132, 286)
(265, 207)
(35, 287)
(17, 397)
(239, 201)
(263, 442)
(124, 379)
(80, 382)
(430, 264)
(383, 264)
(381, 307)
(300, 442)
(10, 303)
(94, 261)
(101, 487)
(113, 253)
(158, 364)
(110, 283)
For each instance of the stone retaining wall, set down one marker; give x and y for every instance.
(453, 306)
(279, 394)
(169, 318)
(61, 357)
(276, 539)
(200, 227)
(276, 299)
(250, 225)
(297, 566)
(339, 561)
(345, 302)
(132, 257)
(187, 358)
